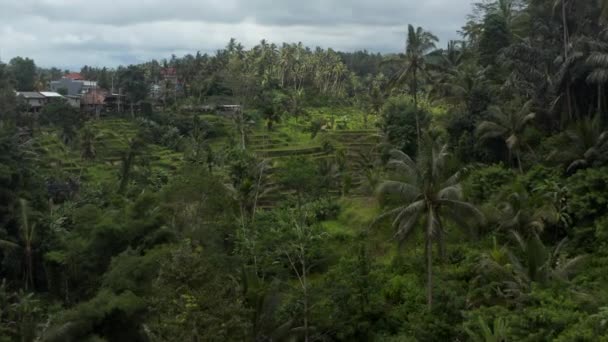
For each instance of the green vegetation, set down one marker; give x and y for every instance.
(288, 194)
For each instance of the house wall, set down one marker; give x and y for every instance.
(72, 87)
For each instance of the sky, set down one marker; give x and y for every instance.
(72, 33)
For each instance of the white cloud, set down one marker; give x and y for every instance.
(71, 33)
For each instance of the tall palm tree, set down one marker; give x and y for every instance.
(25, 245)
(419, 44)
(564, 6)
(425, 191)
(89, 140)
(598, 61)
(509, 126)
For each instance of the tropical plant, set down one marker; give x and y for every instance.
(89, 140)
(508, 126)
(425, 191)
(25, 245)
(532, 262)
(585, 145)
(498, 332)
(414, 66)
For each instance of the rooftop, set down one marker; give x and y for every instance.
(50, 94)
(30, 94)
(74, 76)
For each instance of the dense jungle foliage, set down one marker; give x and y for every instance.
(455, 193)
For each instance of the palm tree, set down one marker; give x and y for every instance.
(509, 126)
(497, 333)
(89, 139)
(26, 244)
(564, 6)
(419, 44)
(459, 85)
(542, 264)
(136, 145)
(586, 143)
(424, 191)
(533, 262)
(518, 213)
(598, 60)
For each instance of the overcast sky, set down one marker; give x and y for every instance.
(72, 33)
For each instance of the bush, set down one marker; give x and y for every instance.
(483, 183)
(589, 191)
(399, 115)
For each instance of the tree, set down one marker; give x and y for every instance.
(24, 73)
(535, 263)
(585, 144)
(419, 44)
(60, 114)
(25, 245)
(132, 81)
(497, 333)
(298, 240)
(8, 101)
(425, 191)
(136, 145)
(89, 139)
(399, 124)
(508, 126)
(461, 86)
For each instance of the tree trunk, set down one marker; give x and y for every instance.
(305, 290)
(517, 155)
(599, 103)
(566, 39)
(415, 93)
(29, 273)
(441, 241)
(429, 261)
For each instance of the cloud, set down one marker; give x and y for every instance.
(71, 33)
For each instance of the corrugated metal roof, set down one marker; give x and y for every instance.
(50, 94)
(30, 94)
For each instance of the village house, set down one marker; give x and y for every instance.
(50, 96)
(33, 100)
(72, 84)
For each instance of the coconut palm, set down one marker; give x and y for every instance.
(586, 143)
(25, 245)
(541, 264)
(89, 139)
(508, 126)
(517, 213)
(598, 61)
(531, 262)
(414, 67)
(564, 5)
(425, 191)
(459, 86)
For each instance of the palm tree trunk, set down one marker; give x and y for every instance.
(599, 103)
(441, 241)
(305, 289)
(517, 155)
(429, 261)
(415, 93)
(566, 39)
